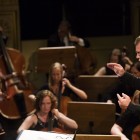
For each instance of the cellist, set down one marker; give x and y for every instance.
(47, 117)
(60, 85)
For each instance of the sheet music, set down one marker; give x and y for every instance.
(40, 135)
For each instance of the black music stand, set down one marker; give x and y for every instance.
(49, 55)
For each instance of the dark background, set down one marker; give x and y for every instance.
(39, 19)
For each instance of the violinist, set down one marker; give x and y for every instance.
(47, 117)
(59, 85)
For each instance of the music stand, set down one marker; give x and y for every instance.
(97, 137)
(42, 135)
(49, 55)
(92, 117)
(96, 86)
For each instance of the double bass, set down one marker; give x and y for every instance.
(14, 102)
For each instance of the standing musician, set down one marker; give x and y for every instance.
(47, 117)
(59, 85)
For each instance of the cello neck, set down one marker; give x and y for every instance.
(6, 58)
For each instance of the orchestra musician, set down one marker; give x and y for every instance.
(64, 37)
(60, 85)
(47, 117)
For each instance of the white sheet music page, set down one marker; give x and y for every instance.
(41, 135)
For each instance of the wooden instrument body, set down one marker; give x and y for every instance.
(9, 106)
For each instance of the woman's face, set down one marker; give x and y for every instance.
(46, 104)
(56, 75)
(135, 72)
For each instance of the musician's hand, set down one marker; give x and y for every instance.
(127, 60)
(55, 112)
(1, 93)
(123, 101)
(66, 82)
(74, 38)
(1, 74)
(63, 85)
(117, 68)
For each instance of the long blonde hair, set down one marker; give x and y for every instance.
(55, 65)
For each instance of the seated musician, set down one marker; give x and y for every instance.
(63, 37)
(85, 61)
(58, 84)
(114, 57)
(47, 117)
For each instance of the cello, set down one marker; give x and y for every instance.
(63, 100)
(15, 102)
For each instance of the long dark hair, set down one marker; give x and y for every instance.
(41, 95)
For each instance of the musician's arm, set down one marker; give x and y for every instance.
(64, 119)
(27, 123)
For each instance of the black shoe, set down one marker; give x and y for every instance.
(2, 131)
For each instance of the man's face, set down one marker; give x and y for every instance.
(138, 51)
